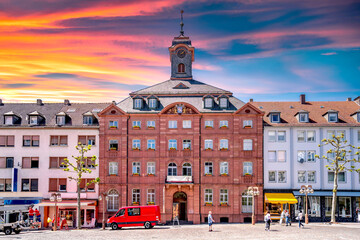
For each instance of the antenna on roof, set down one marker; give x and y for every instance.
(181, 23)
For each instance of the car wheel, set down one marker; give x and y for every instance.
(147, 225)
(17, 231)
(7, 231)
(114, 226)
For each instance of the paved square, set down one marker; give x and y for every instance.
(221, 231)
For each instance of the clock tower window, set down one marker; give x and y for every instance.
(181, 68)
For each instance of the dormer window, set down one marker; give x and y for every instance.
(60, 120)
(304, 117)
(332, 117)
(33, 120)
(223, 102)
(358, 116)
(138, 103)
(208, 102)
(275, 117)
(88, 120)
(9, 120)
(152, 102)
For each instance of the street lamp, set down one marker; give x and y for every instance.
(55, 197)
(306, 189)
(253, 191)
(105, 197)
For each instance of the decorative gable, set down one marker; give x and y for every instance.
(249, 109)
(111, 110)
(181, 86)
(179, 108)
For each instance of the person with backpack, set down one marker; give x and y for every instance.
(267, 220)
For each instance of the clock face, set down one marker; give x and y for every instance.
(181, 53)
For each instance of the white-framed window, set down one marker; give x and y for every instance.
(208, 102)
(358, 117)
(341, 177)
(339, 132)
(271, 136)
(33, 120)
(150, 124)
(311, 156)
(136, 144)
(247, 168)
(9, 120)
(187, 144)
(208, 195)
(301, 136)
(275, 117)
(135, 168)
(113, 124)
(209, 124)
(60, 120)
(151, 168)
(113, 168)
(172, 169)
(303, 117)
(248, 145)
(136, 124)
(246, 203)
(136, 195)
(138, 103)
(224, 168)
(186, 123)
(330, 134)
(224, 144)
(173, 124)
(272, 176)
(281, 136)
(152, 103)
(88, 120)
(151, 144)
(172, 144)
(247, 123)
(311, 176)
(331, 156)
(224, 123)
(301, 176)
(301, 156)
(223, 102)
(272, 156)
(282, 176)
(209, 168)
(224, 196)
(113, 201)
(332, 117)
(311, 136)
(208, 144)
(186, 168)
(281, 156)
(151, 196)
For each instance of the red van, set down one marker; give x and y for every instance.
(133, 216)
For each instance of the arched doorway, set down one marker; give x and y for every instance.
(180, 206)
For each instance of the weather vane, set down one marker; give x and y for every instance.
(181, 24)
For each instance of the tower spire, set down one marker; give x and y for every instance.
(181, 24)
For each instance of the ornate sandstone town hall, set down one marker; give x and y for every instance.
(184, 145)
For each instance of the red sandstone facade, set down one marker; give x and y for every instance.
(181, 99)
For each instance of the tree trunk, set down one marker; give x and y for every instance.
(333, 205)
(78, 224)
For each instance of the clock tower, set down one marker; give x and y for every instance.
(181, 56)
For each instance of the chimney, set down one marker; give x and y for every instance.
(39, 102)
(251, 100)
(349, 99)
(67, 102)
(1, 103)
(114, 102)
(302, 99)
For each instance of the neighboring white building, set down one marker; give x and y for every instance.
(292, 134)
(34, 138)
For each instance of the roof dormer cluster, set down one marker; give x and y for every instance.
(149, 102)
(211, 102)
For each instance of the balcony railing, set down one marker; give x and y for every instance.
(179, 179)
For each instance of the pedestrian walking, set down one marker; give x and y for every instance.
(267, 220)
(210, 221)
(287, 218)
(299, 218)
(282, 216)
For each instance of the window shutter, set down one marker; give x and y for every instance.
(34, 185)
(63, 140)
(54, 162)
(54, 140)
(2, 162)
(26, 162)
(91, 186)
(53, 185)
(27, 137)
(35, 138)
(10, 140)
(62, 181)
(2, 140)
(82, 140)
(91, 139)
(82, 183)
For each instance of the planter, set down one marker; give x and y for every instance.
(136, 127)
(135, 203)
(113, 127)
(111, 175)
(150, 203)
(151, 175)
(208, 149)
(208, 174)
(151, 149)
(136, 174)
(208, 204)
(150, 127)
(172, 149)
(186, 149)
(224, 174)
(224, 204)
(248, 127)
(223, 149)
(113, 149)
(248, 175)
(136, 149)
(224, 127)
(208, 127)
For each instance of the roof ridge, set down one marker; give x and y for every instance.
(135, 92)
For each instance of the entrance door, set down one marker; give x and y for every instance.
(180, 206)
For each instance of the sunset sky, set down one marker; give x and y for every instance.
(100, 50)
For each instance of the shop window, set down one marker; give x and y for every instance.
(314, 206)
(345, 207)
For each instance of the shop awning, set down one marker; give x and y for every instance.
(329, 194)
(67, 203)
(280, 198)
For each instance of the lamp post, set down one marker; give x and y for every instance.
(103, 196)
(306, 189)
(253, 191)
(55, 197)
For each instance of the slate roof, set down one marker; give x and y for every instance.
(49, 111)
(316, 110)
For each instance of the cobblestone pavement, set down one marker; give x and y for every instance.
(221, 231)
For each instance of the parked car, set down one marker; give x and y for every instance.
(9, 224)
(133, 216)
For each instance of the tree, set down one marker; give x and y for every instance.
(341, 158)
(79, 167)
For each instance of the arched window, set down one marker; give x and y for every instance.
(172, 169)
(181, 68)
(186, 169)
(246, 202)
(113, 200)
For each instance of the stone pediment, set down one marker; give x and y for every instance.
(180, 108)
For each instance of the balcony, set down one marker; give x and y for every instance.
(179, 179)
